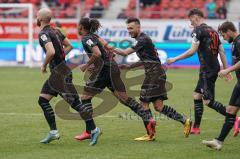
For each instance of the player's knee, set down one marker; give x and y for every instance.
(232, 110)
(158, 107)
(207, 102)
(197, 96)
(42, 101)
(86, 109)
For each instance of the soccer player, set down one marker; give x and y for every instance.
(153, 89)
(105, 73)
(60, 79)
(205, 40)
(230, 34)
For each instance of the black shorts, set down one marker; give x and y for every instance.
(206, 85)
(235, 98)
(108, 76)
(60, 82)
(154, 86)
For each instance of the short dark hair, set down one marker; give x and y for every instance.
(196, 11)
(132, 19)
(224, 27)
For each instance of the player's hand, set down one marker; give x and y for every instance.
(229, 77)
(171, 60)
(124, 66)
(83, 67)
(223, 73)
(43, 69)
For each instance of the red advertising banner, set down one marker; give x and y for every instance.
(19, 30)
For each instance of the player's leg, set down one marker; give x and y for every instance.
(84, 107)
(198, 107)
(209, 94)
(209, 99)
(173, 114)
(117, 86)
(230, 117)
(46, 95)
(217, 143)
(141, 110)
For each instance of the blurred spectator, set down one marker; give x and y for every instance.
(97, 10)
(122, 14)
(221, 11)
(145, 3)
(59, 27)
(211, 8)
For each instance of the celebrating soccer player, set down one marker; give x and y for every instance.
(105, 73)
(153, 88)
(229, 33)
(205, 40)
(60, 79)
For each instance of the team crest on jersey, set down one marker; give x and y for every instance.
(90, 42)
(135, 43)
(44, 37)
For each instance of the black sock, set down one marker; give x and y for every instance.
(148, 111)
(85, 110)
(173, 114)
(48, 112)
(218, 107)
(138, 109)
(90, 125)
(198, 111)
(227, 126)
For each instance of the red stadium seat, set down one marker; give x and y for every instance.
(186, 4)
(132, 4)
(89, 3)
(165, 4)
(105, 3)
(175, 4)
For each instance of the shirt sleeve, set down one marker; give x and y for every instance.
(139, 45)
(44, 38)
(90, 43)
(196, 36)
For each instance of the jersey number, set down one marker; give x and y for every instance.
(214, 42)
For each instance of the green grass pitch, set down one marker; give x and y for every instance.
(23, 125)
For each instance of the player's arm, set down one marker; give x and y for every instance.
(222, 56)
(225, 72)
(124, 52)
(236, 66)
(96, 53)
(67, 45)
(50, 51)
(186, 54)
(194, 47)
